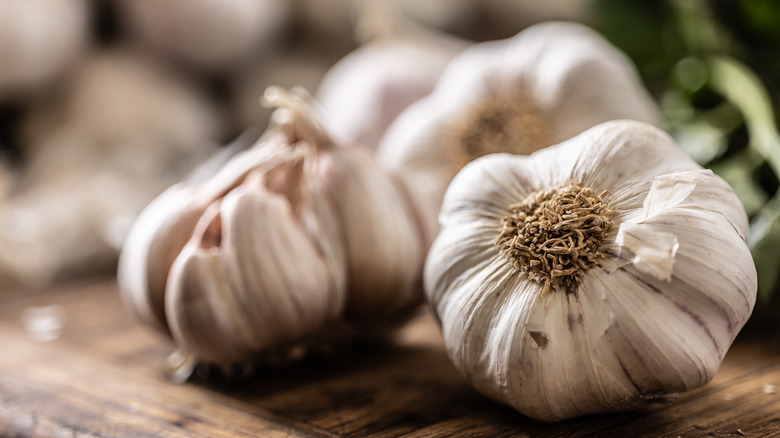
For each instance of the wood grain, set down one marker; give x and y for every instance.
(106, 377)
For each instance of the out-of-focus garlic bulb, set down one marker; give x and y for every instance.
(366, 90)
(590, 276)
(39, 40)
(289, 239)
(213, 34)
(542, 86)
(125, 131)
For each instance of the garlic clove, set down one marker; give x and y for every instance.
(382, 238)
(379, 228)
(156, 238)
(164, 226)
(236, 289)
(651, 311)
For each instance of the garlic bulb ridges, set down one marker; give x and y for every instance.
(667, 283)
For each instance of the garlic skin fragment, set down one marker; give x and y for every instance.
(538, 88)
(674, 285)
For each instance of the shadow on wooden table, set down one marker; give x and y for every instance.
(105, 376)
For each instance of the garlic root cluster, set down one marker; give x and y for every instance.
(592, 275)
(287, 240)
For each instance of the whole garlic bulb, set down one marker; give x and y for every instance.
(544, 85)
(212, 34)
(39, 40)
(590, 276)
(124, 131)
(290, 239)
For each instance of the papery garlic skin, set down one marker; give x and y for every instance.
(655, 316)
(551, 81)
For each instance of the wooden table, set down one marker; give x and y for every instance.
(105, 376)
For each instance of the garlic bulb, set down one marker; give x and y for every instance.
(213, 34)
(590, 276)
(40, 40)
(447, 15)
(124, 131)
(367, 89)
(544, 85)
(288, 240)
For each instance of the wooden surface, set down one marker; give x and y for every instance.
(106, 377)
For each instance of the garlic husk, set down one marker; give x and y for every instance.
(655, 316)
(210, 34)
(41, 40)
(367, 89)
(542, 86)
(380, 229)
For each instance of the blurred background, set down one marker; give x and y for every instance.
(105, 103)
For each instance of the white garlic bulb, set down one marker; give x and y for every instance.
(40, 40)
(287, 240)
(592, 275)
(213, 34)
(124, 131)
(544, 85)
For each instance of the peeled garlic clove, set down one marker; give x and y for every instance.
(237, 288)
(518, 95)
(590, 276)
